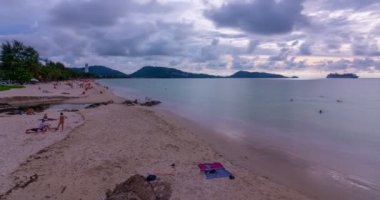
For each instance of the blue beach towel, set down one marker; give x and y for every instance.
(217, 173)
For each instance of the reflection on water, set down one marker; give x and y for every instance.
(68, 106)
(282, 114)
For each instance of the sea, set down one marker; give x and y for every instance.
(320, 137)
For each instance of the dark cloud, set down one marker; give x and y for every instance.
(283, 55)
(98, 13)
(215, 42)
(149, 39)
(355, 64)
(129, 34)
(253, 44)
(259, 16)
(365, 63)
(88, 13)
(240, 63)
(365, 46)
(305, 49)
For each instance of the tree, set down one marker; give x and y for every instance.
(18, 74)
(19, 61)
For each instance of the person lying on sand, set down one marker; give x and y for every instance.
(43, 127)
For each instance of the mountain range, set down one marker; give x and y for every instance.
(165, 72)
(102, 72)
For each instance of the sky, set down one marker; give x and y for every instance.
(307, 38)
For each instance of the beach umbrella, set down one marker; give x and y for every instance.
(34, 80)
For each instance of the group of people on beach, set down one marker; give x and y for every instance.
(43, 126)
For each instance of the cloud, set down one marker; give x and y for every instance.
(365, 46)
(200, 35)
(365, 64)
(148, 39)
(259, 16)
(98, 13)
(253, 44)
(347, 4)
(240, 63)
(305, 49)
(283, 55)
(87, 13)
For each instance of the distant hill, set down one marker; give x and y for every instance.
(164, 72)
(102, 72)
(336, 75)
(245, 74)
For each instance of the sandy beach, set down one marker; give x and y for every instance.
(104, 146)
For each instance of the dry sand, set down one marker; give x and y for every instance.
(113, 143)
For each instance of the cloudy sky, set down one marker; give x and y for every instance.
(308, 38)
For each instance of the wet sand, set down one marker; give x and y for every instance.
(114, 142)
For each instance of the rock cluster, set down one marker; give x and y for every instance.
(147, 102)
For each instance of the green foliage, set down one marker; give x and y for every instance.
(21, 63)
(8, 87)
(18, 74)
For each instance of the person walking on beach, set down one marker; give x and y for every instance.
(61, 121)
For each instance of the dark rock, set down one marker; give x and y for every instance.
(95, 105)
(70, 110)
(147, 102)
(130, 102)
(150, 103)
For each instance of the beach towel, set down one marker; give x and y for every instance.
(217, 173)
(210, 166)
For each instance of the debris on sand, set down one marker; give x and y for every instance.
(136, 187)
(20, 184)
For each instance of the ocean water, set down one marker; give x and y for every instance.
(332, 154)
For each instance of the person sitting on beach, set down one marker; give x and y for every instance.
(46, 118)
(61, 121)
(43, 127)
(30, 111)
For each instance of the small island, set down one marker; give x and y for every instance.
(336, 75)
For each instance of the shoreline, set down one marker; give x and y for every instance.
(154, 141)
(313, 169)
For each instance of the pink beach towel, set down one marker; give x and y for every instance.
(210, 166)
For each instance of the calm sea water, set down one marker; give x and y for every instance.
(342, 143)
